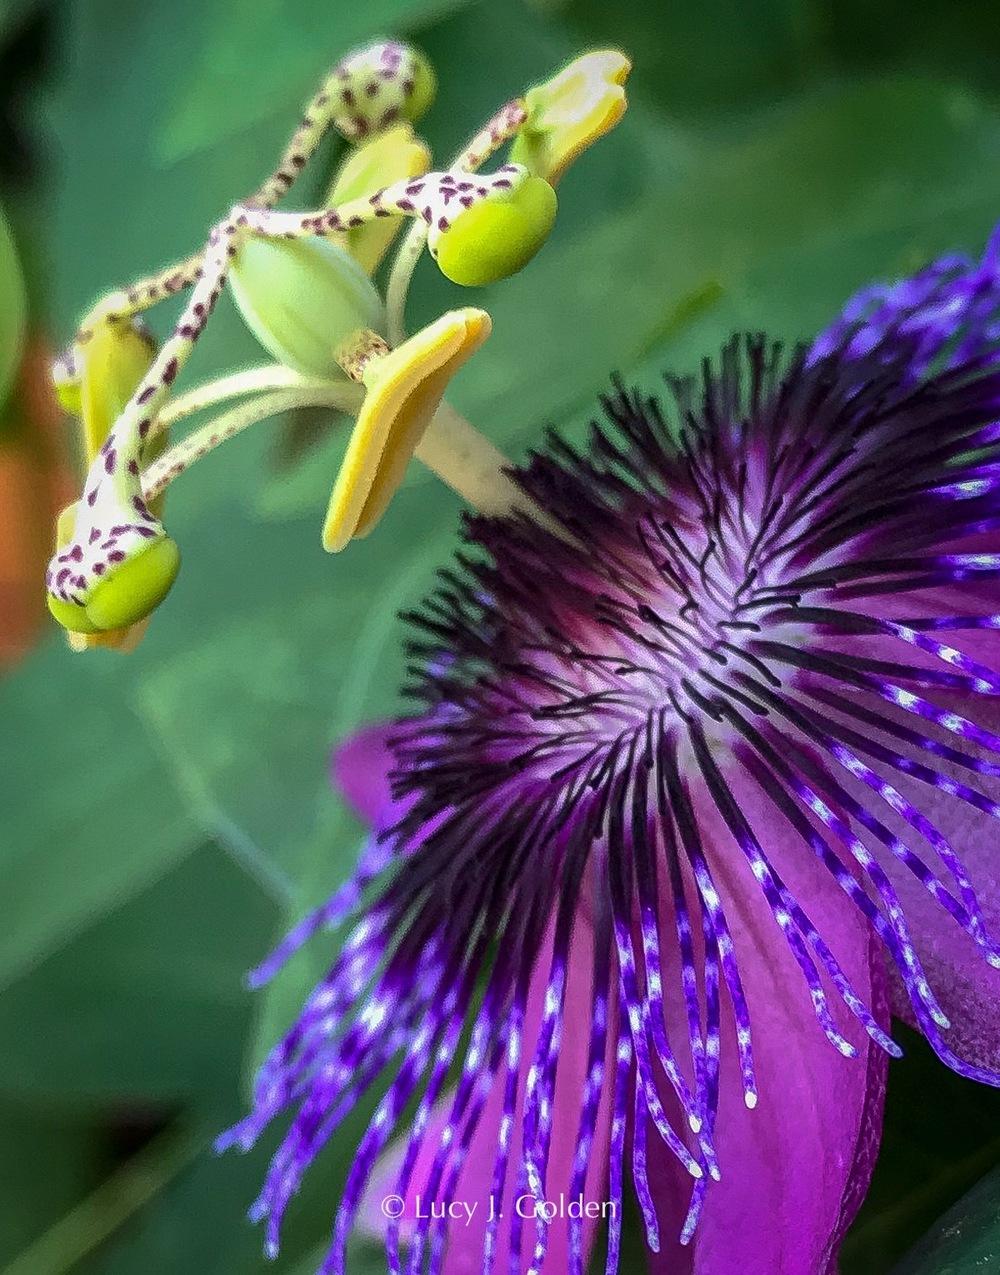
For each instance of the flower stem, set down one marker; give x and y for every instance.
(162, 472)
(398, 287)
(255, 380)
(467, 462)
(142, 294)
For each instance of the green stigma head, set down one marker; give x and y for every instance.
(380, 84)
(136, 588)
(497, 236)
(129, 592)
(72, 617)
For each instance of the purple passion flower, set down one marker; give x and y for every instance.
(698, 784)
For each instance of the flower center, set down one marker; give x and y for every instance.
(662, 634)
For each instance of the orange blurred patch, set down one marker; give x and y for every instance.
(36, 481)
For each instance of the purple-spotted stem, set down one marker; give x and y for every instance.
(501, 129)
(114, 523)
(118, 562)
(340, 103)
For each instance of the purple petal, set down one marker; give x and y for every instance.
(475, 1185)
(965, 984)
(360, 768)
(795, 1168)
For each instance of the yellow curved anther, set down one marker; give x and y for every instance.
(405, 388)
(392, 156)
(571, 111)
(109, 367)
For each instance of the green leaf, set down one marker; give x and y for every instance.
(193, 1219)
(273, 700)
(12, 309)
(13, 13)
(148, 1006)
(47, 1160)
(228, 86)
(947, 38)
(268, 678)
(197, 1221)
(966, 1240)
(72, 1237)
(363, 1258)
(90, 816)
(714, 62)
(298, 485)
(705, 59)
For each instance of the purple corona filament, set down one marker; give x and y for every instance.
(760, 641)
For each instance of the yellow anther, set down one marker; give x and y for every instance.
(405, 388)
(392, 156)
(571, 112)
(108, 368)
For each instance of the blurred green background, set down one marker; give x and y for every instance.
(164, 816)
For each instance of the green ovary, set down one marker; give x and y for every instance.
(302, 299)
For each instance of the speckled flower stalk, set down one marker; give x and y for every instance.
(385, 81)
(687, 792)
(310, 301)
(114, 517)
